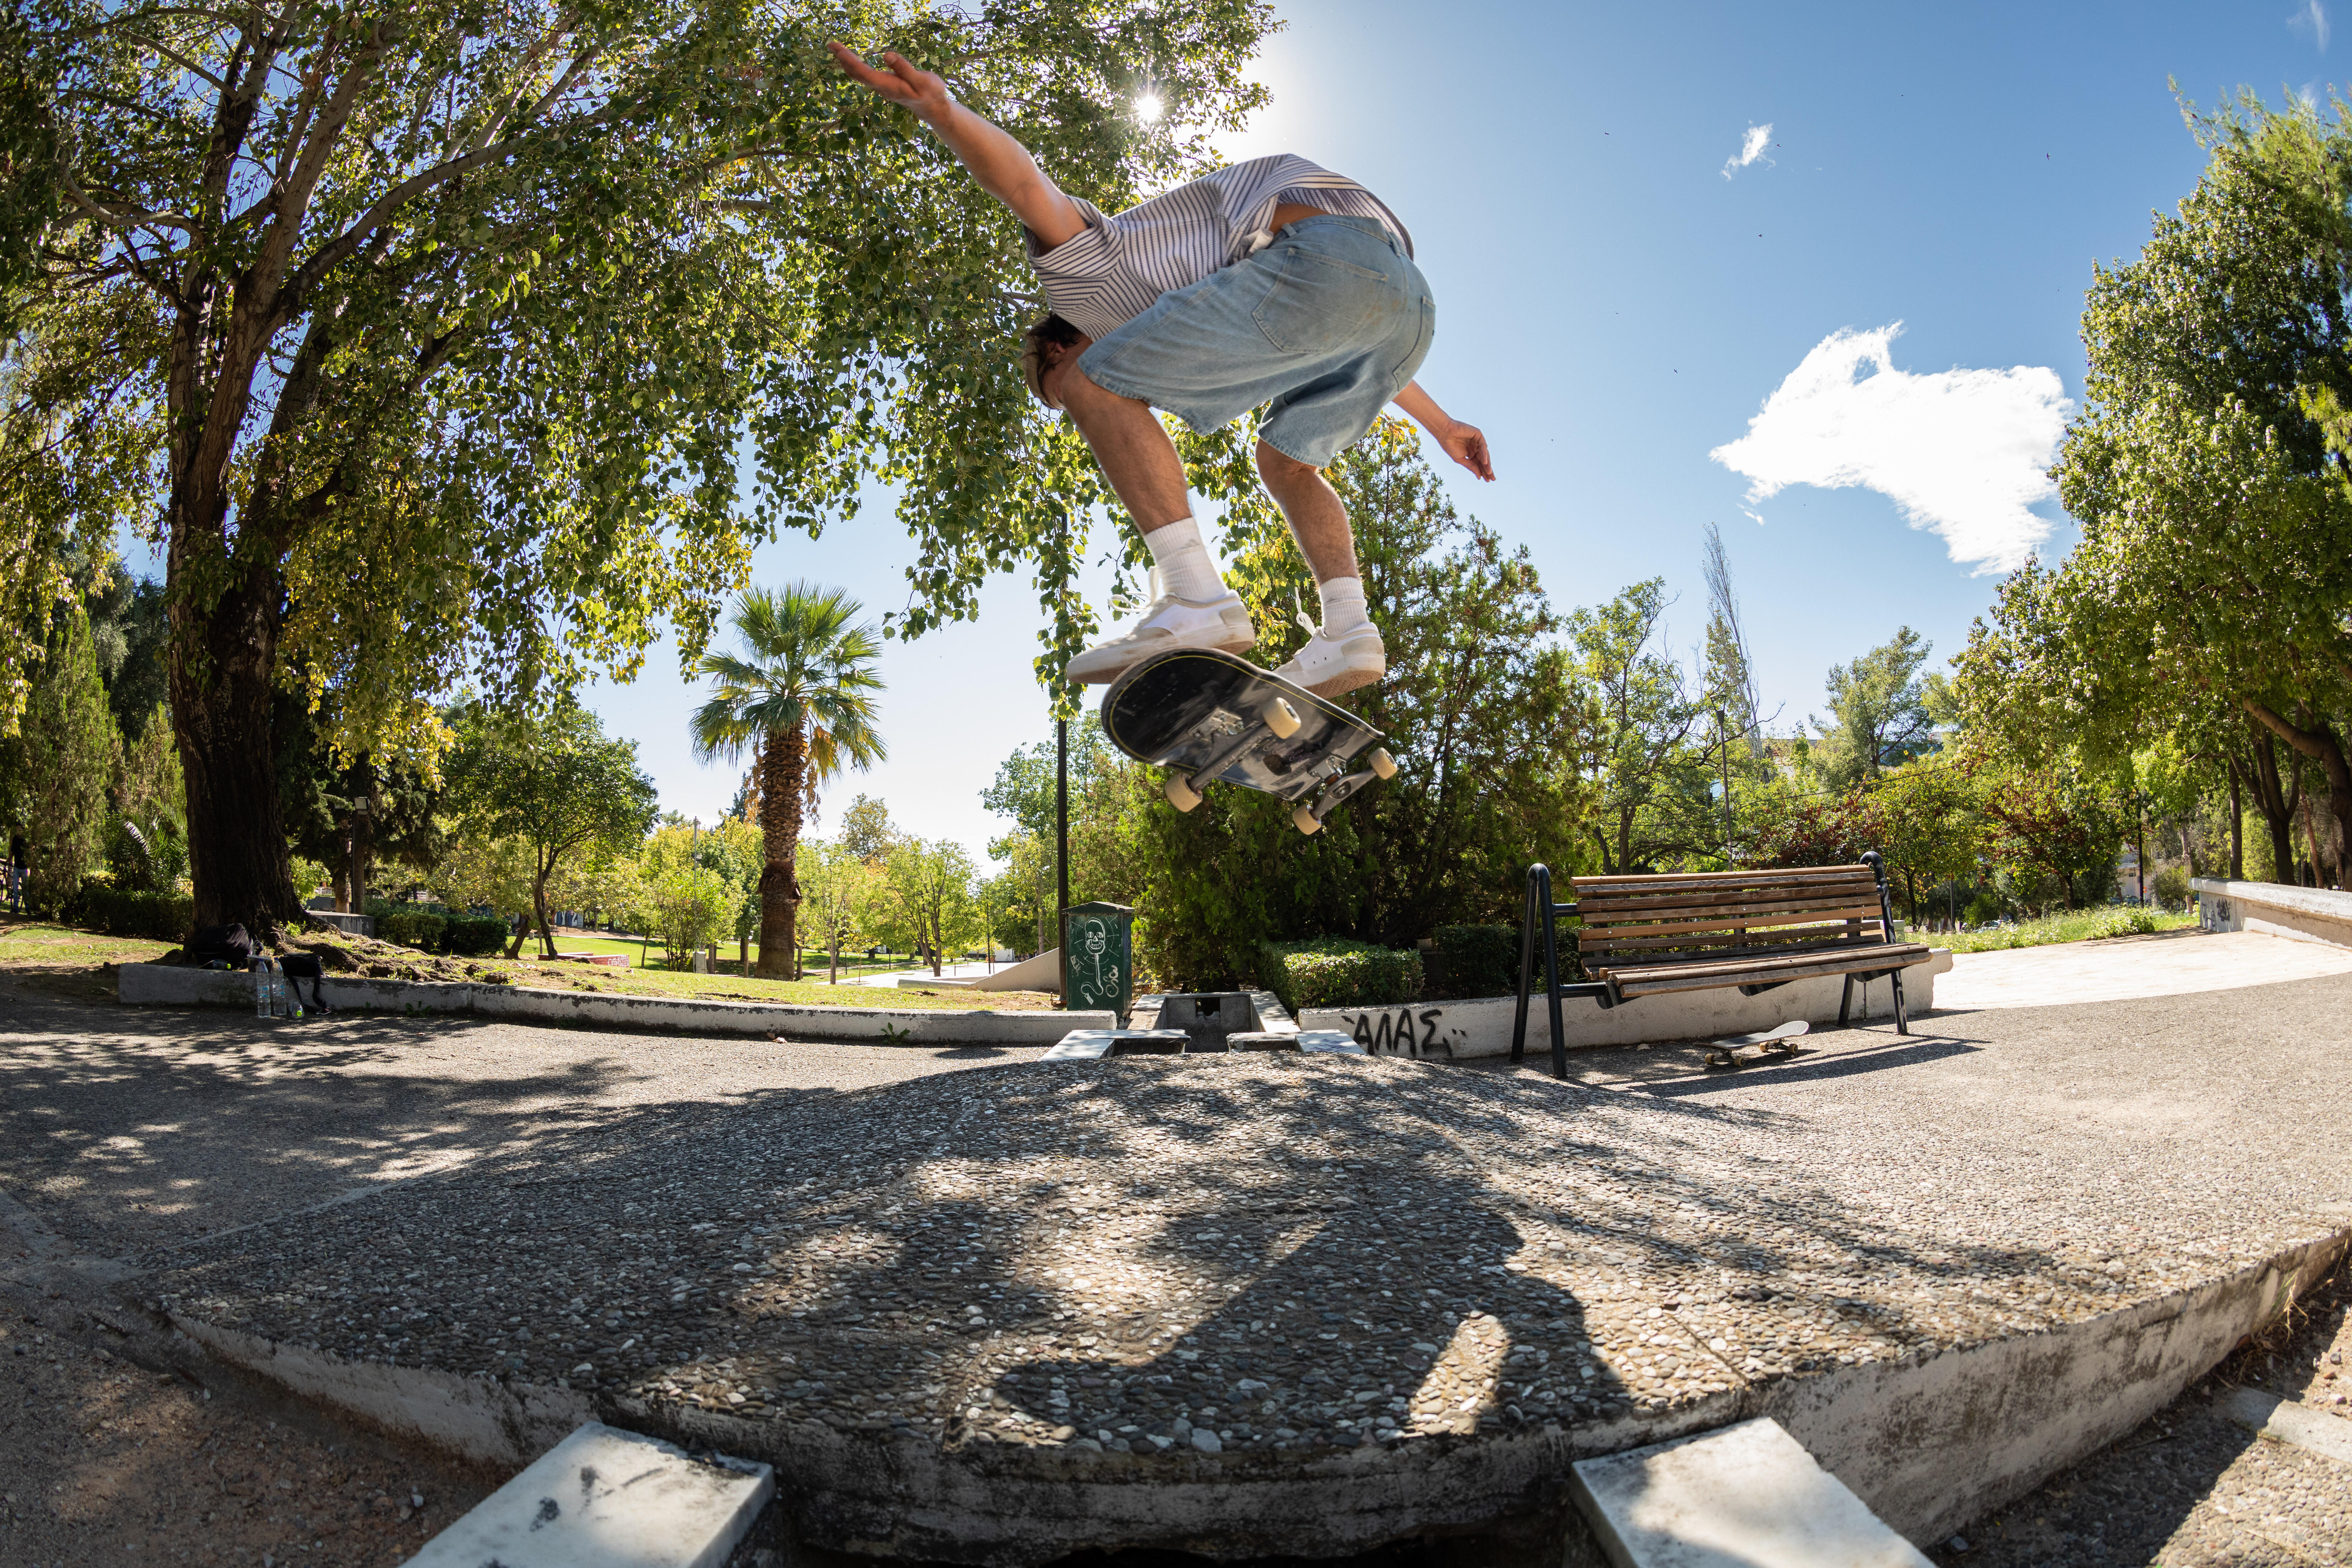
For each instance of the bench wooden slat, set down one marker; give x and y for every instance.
(1706, 879)
(1774, 963)
(1764, 944)
(1755, 917)
(1650, 979)
(1729, 899)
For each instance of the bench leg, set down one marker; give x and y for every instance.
(1846, 1001)
(1902, 1024)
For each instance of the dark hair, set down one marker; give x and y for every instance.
(1050, 329)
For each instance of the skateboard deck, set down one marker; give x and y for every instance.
(1739, 1051)
(1209, 716)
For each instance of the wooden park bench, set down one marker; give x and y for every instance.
(1651, 935)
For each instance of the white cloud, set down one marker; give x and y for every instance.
(1962, 452)
(2313, 18)
(1759, 137)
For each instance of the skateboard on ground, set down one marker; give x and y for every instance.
(1739, 1051)
(1206, 715)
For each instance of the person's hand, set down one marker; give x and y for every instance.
(1467, 445)
(904, 84)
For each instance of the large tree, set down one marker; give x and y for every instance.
(443, 331)
(801, 696)
(2212, 588)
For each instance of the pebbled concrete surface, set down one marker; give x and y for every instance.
(126, 1128)
(1337, 1274)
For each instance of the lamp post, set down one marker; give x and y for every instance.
(1723, 728)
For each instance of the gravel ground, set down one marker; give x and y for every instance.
(125, 1128)
(1288, 1256)
(107, 1462)
(2192, 1490)
(1166, 1255)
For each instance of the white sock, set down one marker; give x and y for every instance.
(1186, 568)
(1343, 604)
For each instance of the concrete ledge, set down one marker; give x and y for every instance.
(603, 1498)
(1748, 1494)
(155, 985)
(2299, 1425)
(2274, 909)
(1482, 1027)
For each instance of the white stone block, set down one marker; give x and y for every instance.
(1742, 1496)
(603, 1498)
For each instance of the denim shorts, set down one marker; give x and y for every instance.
(1325, 325)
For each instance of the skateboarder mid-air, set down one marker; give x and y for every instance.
(1270, 282)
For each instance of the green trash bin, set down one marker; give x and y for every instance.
(1098, 958)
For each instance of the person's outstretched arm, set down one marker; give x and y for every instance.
(1002, 165)
(1466, 443)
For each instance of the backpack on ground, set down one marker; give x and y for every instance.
(229, 946)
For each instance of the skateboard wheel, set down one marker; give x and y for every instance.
(1280, 716)
(1306, 821)
(1382, 763)
(1181, 793)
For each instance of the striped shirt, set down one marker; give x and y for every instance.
(1114, 269)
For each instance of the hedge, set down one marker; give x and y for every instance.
(166, 916)
(1475, 960)
(1336, 972)
(473, 936)
(412, 928)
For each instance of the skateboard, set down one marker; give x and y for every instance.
(1780, 1042)
(1206, 715)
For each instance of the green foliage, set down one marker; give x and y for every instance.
(686, 907)
(2089, 925)
(486, 340)
(924, 901)
(555, 784)
(124, 911)
(1474, 961)
(56, 768)
(2171, 889)
(413, 928)
(1878, 712)
(1652, 779)
(2210, 597)
(472, 936)
(1333, 972)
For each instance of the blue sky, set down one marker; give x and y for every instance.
(1618, 298)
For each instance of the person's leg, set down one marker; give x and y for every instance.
(1312, 508)
(1133, 449)
(1196, 609)
(1345, 652)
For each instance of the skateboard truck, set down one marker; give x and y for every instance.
(1309, 818)
(1183, 791)
(1783, 1041)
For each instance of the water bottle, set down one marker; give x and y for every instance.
(263, 1000)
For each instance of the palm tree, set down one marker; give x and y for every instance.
(802, 700)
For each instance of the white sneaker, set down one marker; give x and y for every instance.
(1329, 665)
(1168, 622)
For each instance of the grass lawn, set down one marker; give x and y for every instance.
(735, 988)
(647, 955)
(24, 942)
(61, 955)
(2084, 925)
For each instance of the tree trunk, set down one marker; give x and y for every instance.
(2237, 829)
(2276, 806)
(522, 930)
(2319, 741)
(784, 764)
(220, 668)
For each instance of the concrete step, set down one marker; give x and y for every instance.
(1741, 1497)
(603, 1498)
(2284, 1421)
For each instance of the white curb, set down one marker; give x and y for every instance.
(603, 1498)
